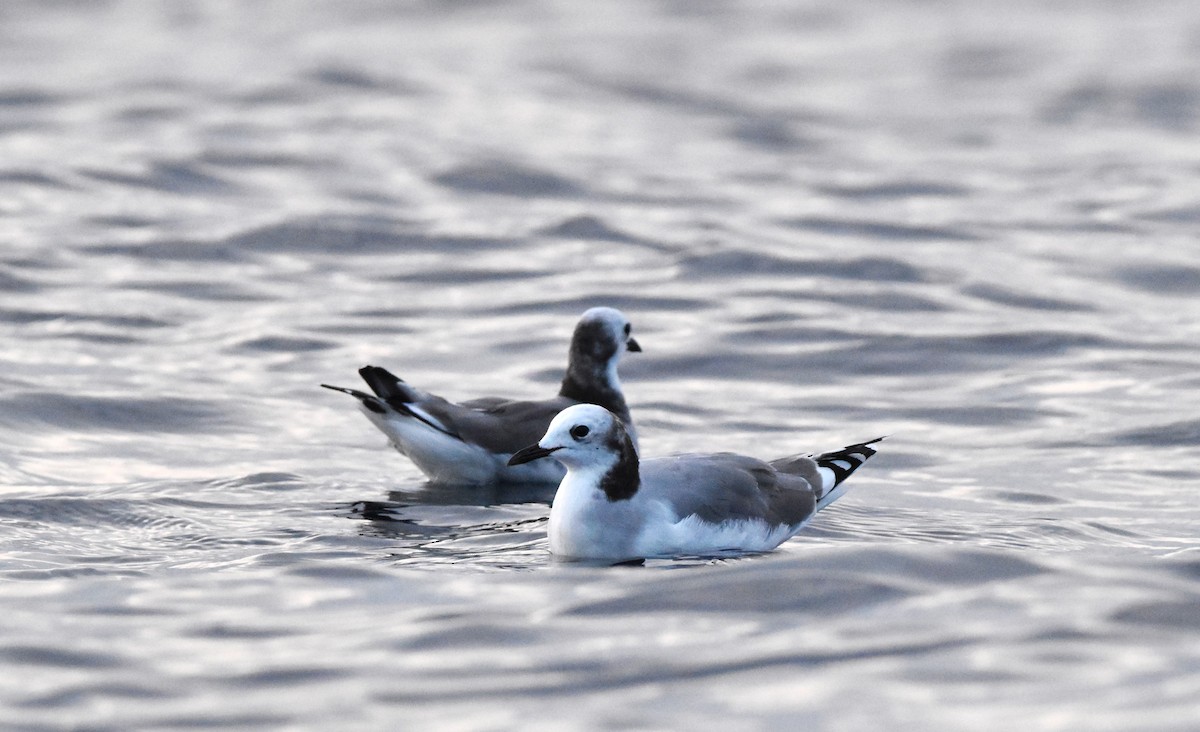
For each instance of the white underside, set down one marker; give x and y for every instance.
(585, 524)
(446, 459)
(693, 535)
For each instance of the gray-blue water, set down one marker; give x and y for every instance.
(969, 225)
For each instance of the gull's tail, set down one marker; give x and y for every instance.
(368, 401)
(393, 399)
(390, 390)
(389, 387)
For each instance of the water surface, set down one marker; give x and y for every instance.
(970, 228)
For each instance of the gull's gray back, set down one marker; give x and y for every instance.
(724, 486)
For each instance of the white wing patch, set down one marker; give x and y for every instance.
(428, 418)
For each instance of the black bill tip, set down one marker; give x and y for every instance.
(529, 454)
(633, 346)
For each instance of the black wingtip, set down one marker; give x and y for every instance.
(384, 383)
(369, 371)
(844, 462)
(864, 445)
(370, 402)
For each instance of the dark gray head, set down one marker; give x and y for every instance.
(601, 337)
(590, 440)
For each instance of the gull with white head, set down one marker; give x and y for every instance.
(611, 505)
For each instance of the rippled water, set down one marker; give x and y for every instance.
(970, 226)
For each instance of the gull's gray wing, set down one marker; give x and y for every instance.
(725, 486)
(498, 425)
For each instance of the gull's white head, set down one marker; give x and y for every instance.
(581, 436)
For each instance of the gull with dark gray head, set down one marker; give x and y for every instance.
(470, 442)
(611, 505)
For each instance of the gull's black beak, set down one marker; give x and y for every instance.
(531, 453)
(632, 346)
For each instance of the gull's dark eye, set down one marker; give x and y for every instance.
(628, 329)
(580, 431)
